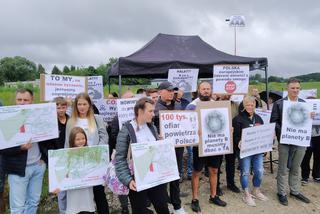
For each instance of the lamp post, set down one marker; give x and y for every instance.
(236, 21)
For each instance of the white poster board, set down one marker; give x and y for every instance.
(52, 86)
(179, 126)
(230, 79)
(238, 98)
(20, 123)
(257, 140)
(185, 79)
(107, 109)
(76, 168)
(154, 163)
(264, 114)
(315, 105)
(125, 109)
(296, 123)
(304, 94)
(95, 88)
(215, 125)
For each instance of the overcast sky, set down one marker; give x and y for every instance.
(89, 32)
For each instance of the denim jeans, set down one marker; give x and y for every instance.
(62, 202)
(25, 191)
(257, 165)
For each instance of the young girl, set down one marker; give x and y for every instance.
(79, 201)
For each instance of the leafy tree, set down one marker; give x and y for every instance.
(41, 69)
(17, 68)
(66, 70)
(55, 70)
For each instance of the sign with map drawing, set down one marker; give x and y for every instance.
(184, 79)
(215, 125)
(76, 168)
(154, 163)
(20, 123)
(296, 123)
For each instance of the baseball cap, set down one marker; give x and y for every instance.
(167, 85)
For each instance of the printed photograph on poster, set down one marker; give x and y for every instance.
(215, 125)
(95, 88)
(296, 123)
(20, 123)
(76, 168)
(179, 126)
(257, 139)
(230, 79)
(315, 105)
(125, 110)
(154, 163)
(264, 114)
(185, 79)
(52, 86)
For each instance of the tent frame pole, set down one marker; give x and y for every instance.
(120, 86)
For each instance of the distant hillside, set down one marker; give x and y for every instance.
(313, 77)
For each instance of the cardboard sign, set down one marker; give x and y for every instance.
(315, 104)
(264, 114)
(215, 125)
(185, 79)
(52, 86)
(95, 88)
(296, 123)
(230, 79)
(76, 168)
(20, 123)
(154, 163)
(179, 126)
(257, 140)
(107, 109)
(125, 109)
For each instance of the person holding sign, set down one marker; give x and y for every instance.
(213, 162)
(83, 117)
(25, 168)
(139, 130)
(166, 102)
(248, 118)
(290, 156)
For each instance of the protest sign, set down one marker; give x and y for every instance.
(296, 123)
(215, 125)
(237, 98)
(125, 109)
(154, 163)
(185, 79)
(107, 109)
(52, 86)
(257, 140)
(264, 114)
(304, 94)
(76, 168)
(179, 126)
(20, 123)
(315, 105)
(230, 79)
(95, 88)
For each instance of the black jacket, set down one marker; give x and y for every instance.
(241, 121)
(276, 115)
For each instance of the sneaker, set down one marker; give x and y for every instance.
(317, 180)
(300, 197)
(304, 181)
(217, 201)
(283, 199)
(233, 188)
(195, 206)
(219, 192)
(249, 200)
(179, 211)
(260, 196)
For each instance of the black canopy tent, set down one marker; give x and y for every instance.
(172, 51)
